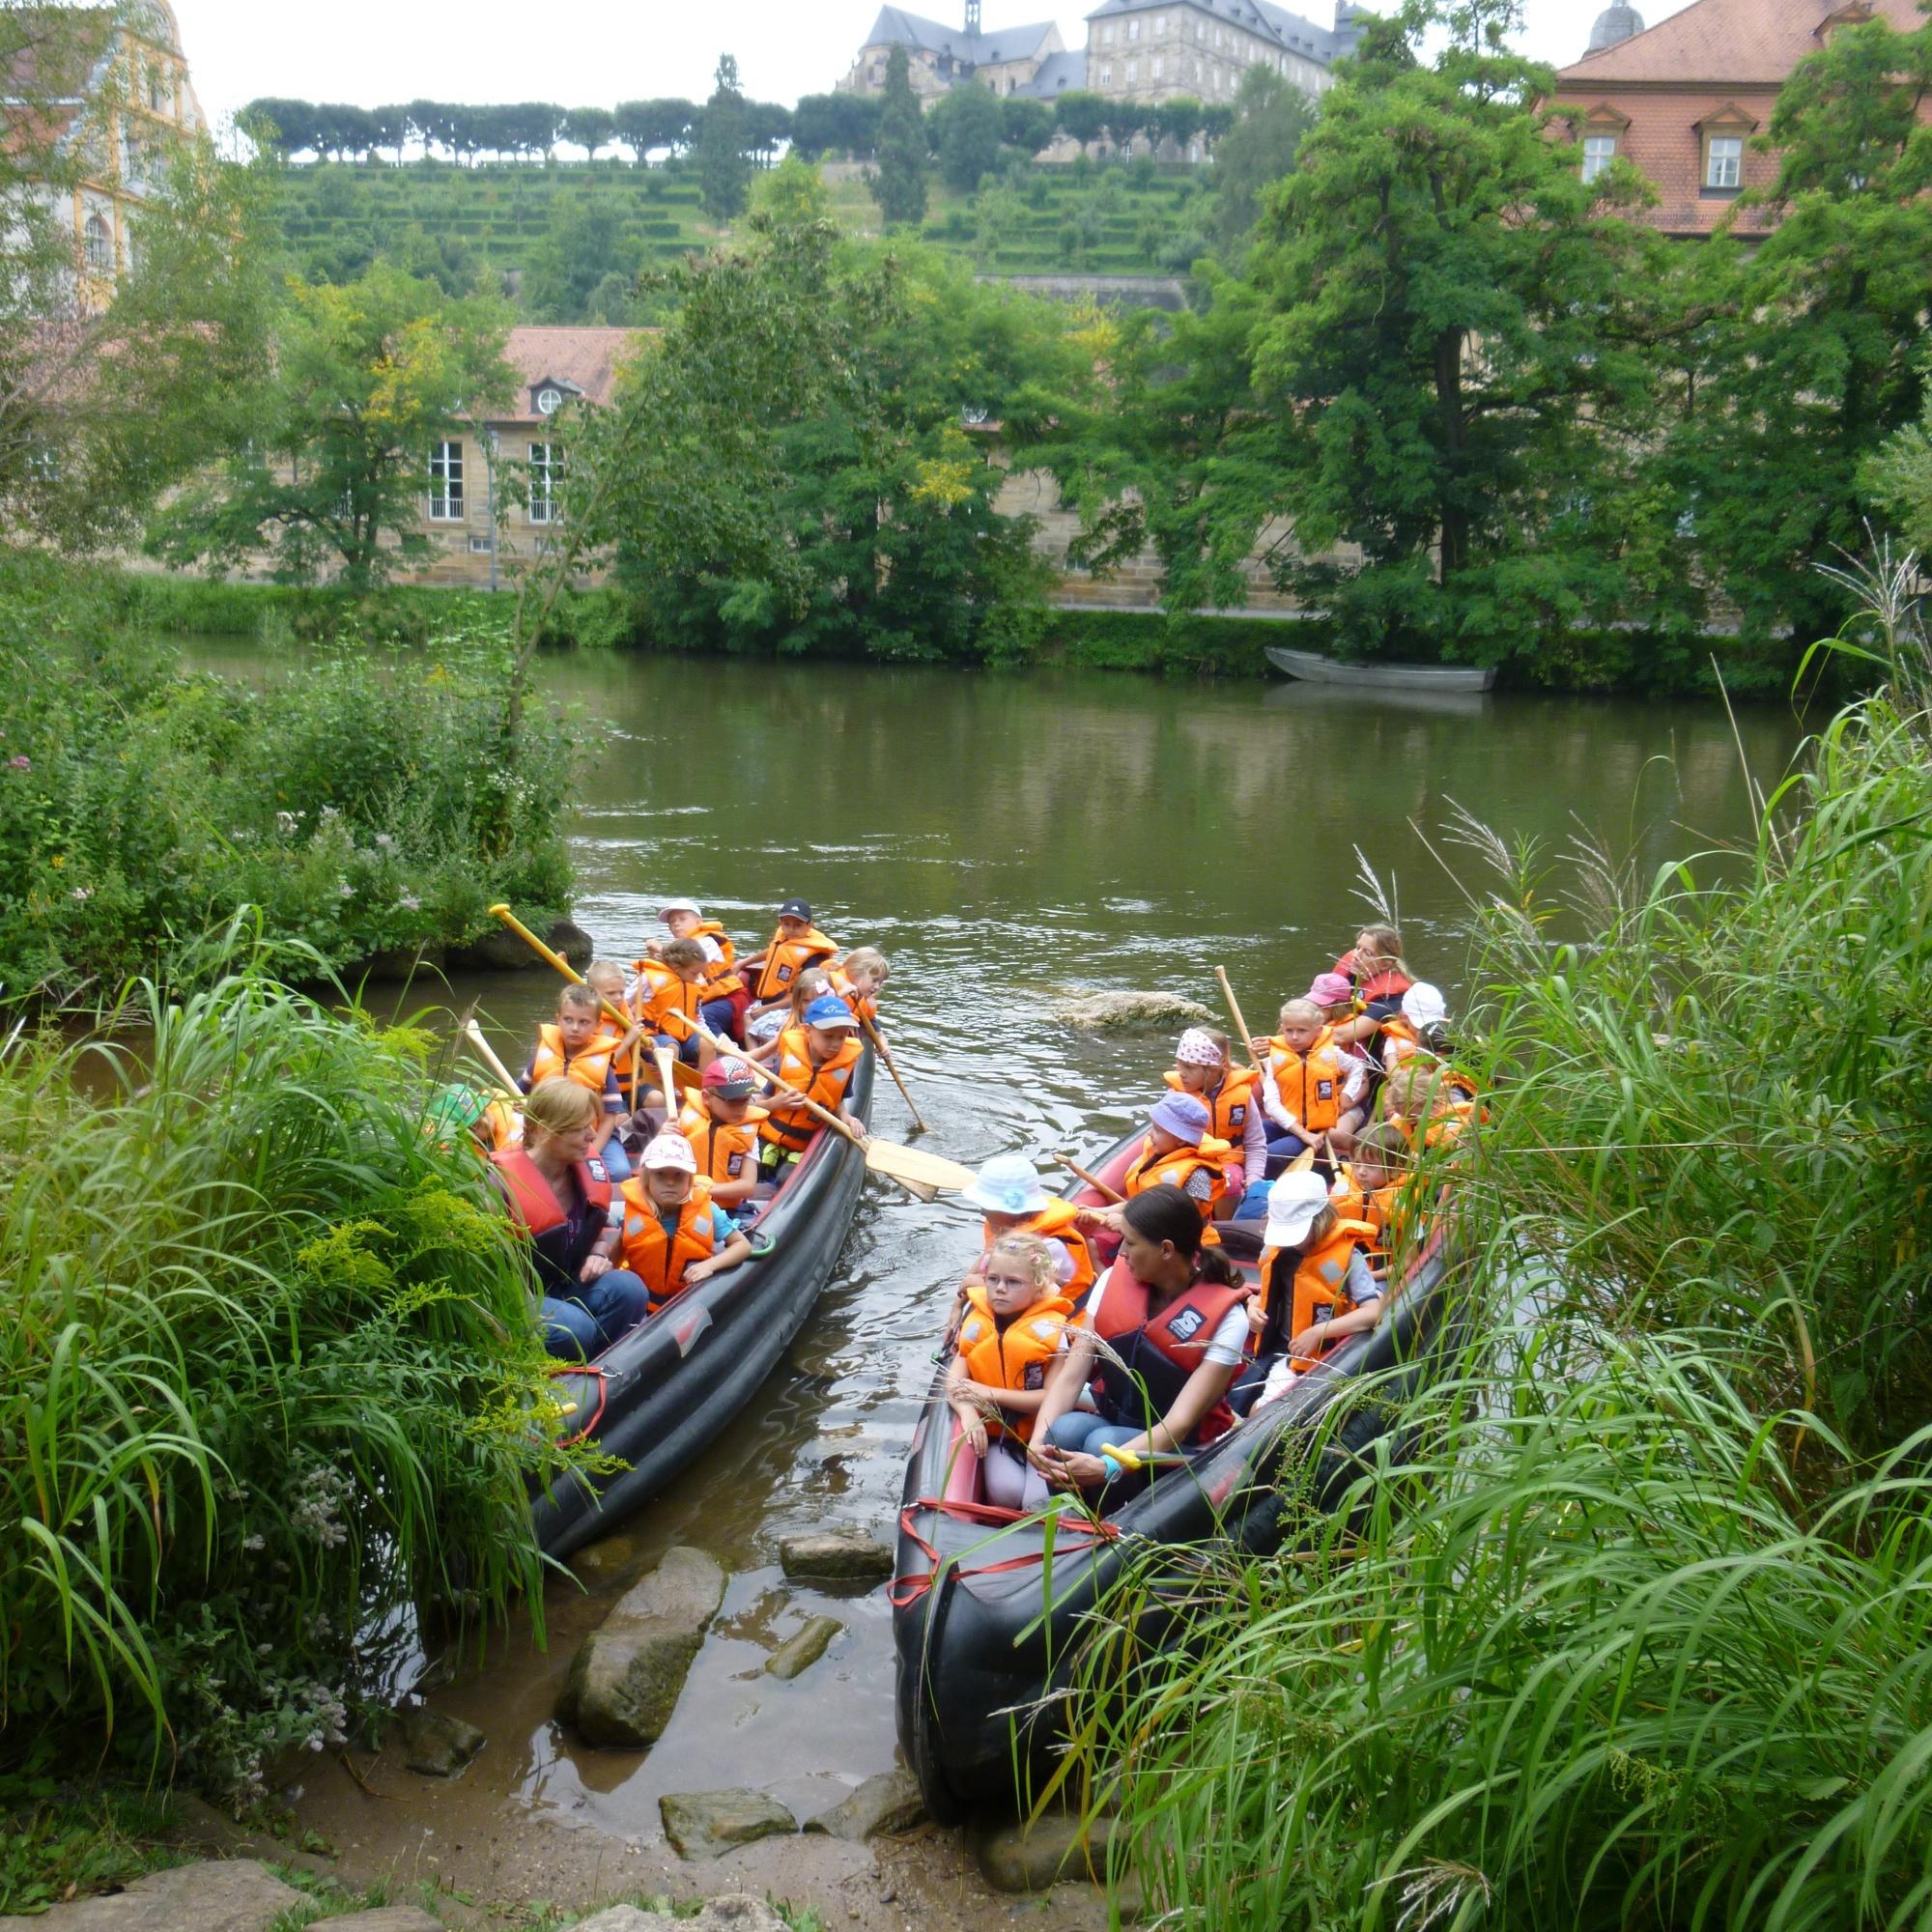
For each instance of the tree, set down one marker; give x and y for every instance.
(648, 125)
(1811, 356)
(1025, 125)
(899, 182)
(1271, 115)
(768, 125)
(965, 126)
(724, 171)
(283, 126)
(1081, 116)
(1898, 480)
(591, 128)
(845, 122)
(365, 381)
(1180, 120)
(584, 243)
(792, 195)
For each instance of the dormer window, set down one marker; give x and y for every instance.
(1723, 135)
(1603, 128)
(549, 402)
(550, 393)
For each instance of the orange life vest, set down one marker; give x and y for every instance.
(787, 959)
(1318, 1275)
(642, 1247)
(1055, 1222)
(664, 1002)
(1310, 1085)
(588, 1068)
(1159, 1352)
(1230, 1103)
(1017, 1356)
(1176, 1169)
(503, 1125)
(789, 1127)
(1445, 1130)
(866, 1008)
(721, 976)
(725, 1149)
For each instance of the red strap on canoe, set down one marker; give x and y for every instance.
(905, 1591)
(602, 1379)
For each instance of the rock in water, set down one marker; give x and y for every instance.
(606, 1561)
(236, 1896)
(1032, 1858)
(888, 1802)
(706, 1824)
(801, 1652)
(1130, 1012)
(437, 1745)
(836, 1556)
(738, 1912)
(572, 941)
(624, 1682)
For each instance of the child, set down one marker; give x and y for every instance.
(721, 1125)
(1179, 1151)
(858, 979)
(814, 984)
(1011, 1336)
(1313, 1262)
(578, 1049)
(725, 997)
(796, 944)
(1008, 1193)
(1336, 998)
(605, 978)
(1421, 1025)
(1422, 1102)
(1202, 1067)
(1306, 1086)
(667, 997)
(674, 1235)
(1367, 1188)
(461, 1115)
(815, 1059)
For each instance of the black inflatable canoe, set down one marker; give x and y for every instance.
(670, 1387)
(976, 1654)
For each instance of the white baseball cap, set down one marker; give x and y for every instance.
(671, 906)
(1293, 1201)
(671, 1151)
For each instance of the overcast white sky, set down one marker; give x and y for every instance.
(596, 52)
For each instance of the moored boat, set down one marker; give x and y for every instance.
(1313, 669)
(981, 1651)
(664, 1392)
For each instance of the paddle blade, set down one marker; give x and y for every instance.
(918, 1170)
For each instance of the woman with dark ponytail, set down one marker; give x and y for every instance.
(1165, 1334)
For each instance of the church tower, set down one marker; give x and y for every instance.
(973, 17)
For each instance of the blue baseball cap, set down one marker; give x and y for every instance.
(827, 1012)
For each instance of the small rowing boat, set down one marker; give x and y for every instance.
(664, 1392)
(988, 1605)
(1311, 668)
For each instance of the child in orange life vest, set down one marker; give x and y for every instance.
(1202, 1066)
(721, 1126)
(674, 1235)
(667, 997)
(1305, 1086)
(815, 1059)
(858, 979)
(814, 984)
(1011, 1338)
(461, 1115)
(1317, 1286)
(1008, 1192)
(725, 993)
(796, 944)
(1176, 1152)
(578, 1048)
(1422, 1100)
(1335, 997)
(1368, 1187)
(605, 978)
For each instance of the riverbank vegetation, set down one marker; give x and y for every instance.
(1633, 1627)
(271, 1376)
(354, 808)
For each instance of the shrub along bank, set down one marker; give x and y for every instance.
(357, 809)
(1636, 1625)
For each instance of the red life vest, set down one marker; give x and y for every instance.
(1318, 1276)
(1017, 1356)
(588, 1068)
(664, 1002)
(659, 1262)
(1055, 1222)
(1387, 984)
(792, 1127)
(1161, 1351)
(787, 959)
(543, 1218)
(725, 1149)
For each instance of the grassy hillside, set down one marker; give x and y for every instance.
(563, 230)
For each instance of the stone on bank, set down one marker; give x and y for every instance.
(707, 1824)
(738, 1912)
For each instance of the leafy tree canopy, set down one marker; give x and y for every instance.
(898, 185)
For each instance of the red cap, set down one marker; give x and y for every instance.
(730, 1078)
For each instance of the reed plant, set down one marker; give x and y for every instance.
(269, 1375)
(1632, 1624)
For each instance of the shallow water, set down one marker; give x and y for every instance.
(1004, 839)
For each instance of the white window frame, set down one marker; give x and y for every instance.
(1726, 168)
(1599, 151)
(96, 240)
(1133, 73)
(1106, 76)
(1107, 35)
(1134, 29)
(445, 467)
(546, 476)
(1153, 67)
(1159, 24)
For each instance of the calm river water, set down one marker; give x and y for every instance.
(1004, 838)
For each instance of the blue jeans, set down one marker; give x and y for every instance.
(685, 1050)
(594, 1316)
(617, 1160)
(1254, 1202)
(1287, 1145)
(1083, 1433)
(718, 1015)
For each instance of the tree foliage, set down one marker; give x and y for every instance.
(1271, 115)
(965, 128)
(723, 134)
(899, 182)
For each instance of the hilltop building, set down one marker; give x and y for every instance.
(1683, 100)
(111, 88)
(939, 57)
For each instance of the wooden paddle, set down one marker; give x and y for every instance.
(885, 1053)
(662, 1054)
(473, 1033)
(1235, 1013)
(685, 1076)
(910, 1168)
(1093, 1181)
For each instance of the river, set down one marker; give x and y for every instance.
(1005, 838)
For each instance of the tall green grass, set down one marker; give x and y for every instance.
(269, 1372)
(1634, 1627)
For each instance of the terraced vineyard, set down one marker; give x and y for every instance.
(1107, 221)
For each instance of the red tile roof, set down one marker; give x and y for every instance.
(587, 358)
(1724, 43)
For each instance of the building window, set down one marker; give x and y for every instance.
(546, 478)
(1133, 71)
(1723, 160)
(479, 546)
(1106, 76)
(1153, 66)
(445, 483)
(1107, 36)
(1133, 30)
(1599, 151)
(160, 96)
(98, 240)
(1159, 24)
